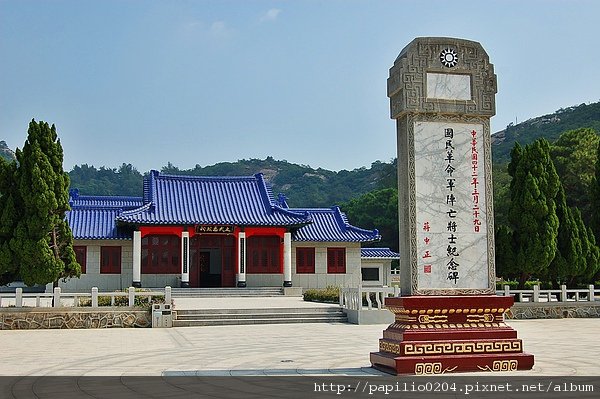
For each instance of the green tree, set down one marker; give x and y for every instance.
(10, 213)
(590, 253)
(376, 210)
(501, 185)
(504, 253)
(569, 260)
(42, 240)
(532, 213)
(592, 272)
(574, 155)
(595, 196)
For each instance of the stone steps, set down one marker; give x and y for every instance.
(225, 292)
(219, 317)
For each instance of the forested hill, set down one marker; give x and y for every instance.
(548, 126)
(309, 187)
(303, 185)
(6, 153)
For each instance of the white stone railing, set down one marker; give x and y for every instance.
(352, 298)
(57, 299)
(560, 295)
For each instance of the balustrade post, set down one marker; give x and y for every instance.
(94, 297)
(131, 296)
(19, 297)
(56, 297)
(563, 293)
(506, 290)
(536, 293)
(591, 293)
(168, 295)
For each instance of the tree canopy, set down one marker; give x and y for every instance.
(574, 155)
(37, 243)
(532, 213)
(376, 209)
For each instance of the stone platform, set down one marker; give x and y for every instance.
(444, 334)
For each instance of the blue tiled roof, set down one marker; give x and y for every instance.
(331, 224)
(94, 217)
(188, 200)
(172, 199)
(378, 253)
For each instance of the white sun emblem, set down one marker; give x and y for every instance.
(449, 58)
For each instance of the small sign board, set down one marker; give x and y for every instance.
(214, 229)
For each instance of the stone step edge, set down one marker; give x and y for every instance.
(258, 310)
(258, 316)
(193, 323)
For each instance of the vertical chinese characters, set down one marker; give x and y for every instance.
(475, 181)
(451, 250)
(427, 255)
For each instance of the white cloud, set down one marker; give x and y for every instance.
(219, 29)
(270, 15)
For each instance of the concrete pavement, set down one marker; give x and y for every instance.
(567, 347)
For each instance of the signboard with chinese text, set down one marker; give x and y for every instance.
(452, 242)
(214, 229)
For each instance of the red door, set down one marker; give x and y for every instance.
(229, 262)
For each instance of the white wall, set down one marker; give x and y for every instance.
(321, 279)
(385, 271)
(111, 282)
(92, 277)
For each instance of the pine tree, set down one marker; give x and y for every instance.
(42, 240)
(569, 260)
(10, 213)
(532, 212)
(595, 197)
(592, 272)
(504, 253)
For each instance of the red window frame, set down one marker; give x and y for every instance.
(161, 254)
(110, 260)
(305, 260)
(81, 256)
(263, 255)
(336, 260)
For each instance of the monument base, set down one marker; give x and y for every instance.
(449, 334)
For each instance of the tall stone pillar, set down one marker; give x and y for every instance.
(442, 96)
(241, 276)
(137, 259)
(287, 259)
(185, 259)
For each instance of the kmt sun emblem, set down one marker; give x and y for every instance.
(449, 58)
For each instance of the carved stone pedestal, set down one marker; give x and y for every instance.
(443, 334)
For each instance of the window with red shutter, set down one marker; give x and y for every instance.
(336, 260)
(305, 260)
(81, 256)
(160, 254)
(264, 254)
(110, 260)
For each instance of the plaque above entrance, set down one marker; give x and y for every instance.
(214, 229)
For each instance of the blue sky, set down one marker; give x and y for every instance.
(200, 82)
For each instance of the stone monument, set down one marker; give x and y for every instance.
(442, 96)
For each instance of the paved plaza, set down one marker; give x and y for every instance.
(567, 347)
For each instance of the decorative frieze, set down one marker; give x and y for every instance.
(11, 319)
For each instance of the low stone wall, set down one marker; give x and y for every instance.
(73, 318)
(549, 310)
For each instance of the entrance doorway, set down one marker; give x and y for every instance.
(212, 261)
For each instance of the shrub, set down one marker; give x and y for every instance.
(329, 294)
(139, 301)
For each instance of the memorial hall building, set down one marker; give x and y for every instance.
(190, 231)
